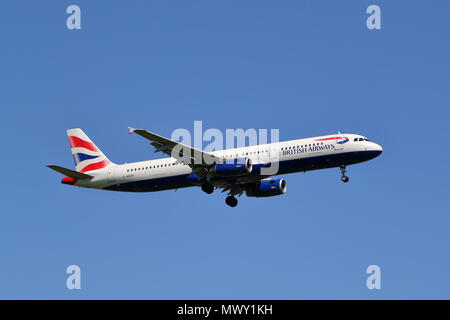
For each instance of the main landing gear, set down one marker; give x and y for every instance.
(344, 178)
(207, 188)
(231, 201)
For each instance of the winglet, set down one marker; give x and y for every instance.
(131, 130)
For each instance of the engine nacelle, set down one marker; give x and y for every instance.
(236, 168)
(266, 188)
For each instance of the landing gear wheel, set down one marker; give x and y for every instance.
(207, 188)
(231, 201)
(344, 178)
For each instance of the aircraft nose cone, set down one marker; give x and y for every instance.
(377, 150)
(377, 147)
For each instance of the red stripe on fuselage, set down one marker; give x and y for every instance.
(76, 142)
(332, 138)
(95, 166)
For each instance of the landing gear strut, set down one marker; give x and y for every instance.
(231, 201)
(344, 178)
(208, 188)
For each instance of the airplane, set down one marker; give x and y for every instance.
(236, 171)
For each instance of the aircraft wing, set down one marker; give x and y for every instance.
(197, 159)
(236, 189)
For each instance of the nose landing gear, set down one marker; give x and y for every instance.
(344, 178)
(231, 201)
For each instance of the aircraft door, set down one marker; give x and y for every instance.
(274, 152)
(110, 174)
(339, 143)
(274, 160)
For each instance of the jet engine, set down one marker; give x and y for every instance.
(233, 168)
(266, 188)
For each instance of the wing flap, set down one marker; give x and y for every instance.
(165, 145)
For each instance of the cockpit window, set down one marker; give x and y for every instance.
(360, 139)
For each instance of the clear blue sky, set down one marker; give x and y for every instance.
(305, 67)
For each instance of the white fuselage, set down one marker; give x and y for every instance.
(289, 156)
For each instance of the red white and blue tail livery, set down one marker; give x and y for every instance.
(86, 155)
(236, 171)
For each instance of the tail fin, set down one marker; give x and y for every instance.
(85, 153)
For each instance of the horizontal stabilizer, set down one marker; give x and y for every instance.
(70, 173)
